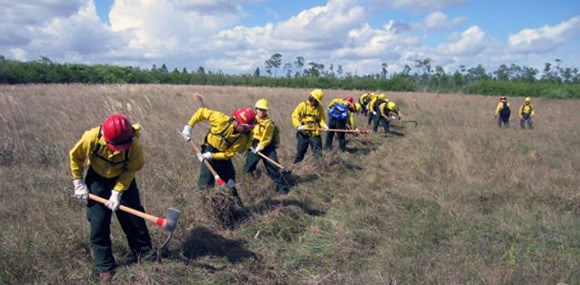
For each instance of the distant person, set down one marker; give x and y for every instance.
(376, 108)
(340, 114)
(265, 139)
(226, 137)
(526, 113)
(388, 111)
(114, 154)
(503, 112)
(374, 114)
(308, 118)
(364, 100)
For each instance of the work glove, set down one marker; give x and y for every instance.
(300, 128)
(257, 149)
(206, 155)
(186, 133)
(357, 130)
(81, 191)
(114, 201)
(374, 113)
(326, 128)
(231, 184)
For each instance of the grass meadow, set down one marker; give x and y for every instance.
(456, 200)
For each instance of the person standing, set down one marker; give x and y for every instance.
(340, 114)
(308, 117)
(265, 141)
(226, 137)
(503, 112)
(526, 113)
(114, 154)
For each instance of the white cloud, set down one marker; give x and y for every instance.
(438, 21)
(423, 4)
(469, 43)
(546, 38)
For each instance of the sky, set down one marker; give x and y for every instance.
(238, 36)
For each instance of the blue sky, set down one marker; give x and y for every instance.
(237, 36)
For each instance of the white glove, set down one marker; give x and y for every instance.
(205, 155)
(257, 149)
(80, 190)
(374, 113)
(357, 130)
(326, 128)
(186, 133)
(114, 201)
(300, 128)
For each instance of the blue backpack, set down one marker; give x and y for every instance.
(338, 111)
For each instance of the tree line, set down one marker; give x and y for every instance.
(554, 81)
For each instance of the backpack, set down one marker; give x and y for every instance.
(505, 110)
(338, 111)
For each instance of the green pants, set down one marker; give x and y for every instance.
(304, 139)
(273, 171)
(223, 167)
(99, 217)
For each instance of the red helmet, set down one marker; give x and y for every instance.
(349, 99)
(118, 132)
(245, 116)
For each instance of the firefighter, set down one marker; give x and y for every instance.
(265, 140)
(340, 114)
(363, 100)
(526, 113)
(308, 117)
(113, 154)
(387, 111)
(374, 115)
(377, 111)
(226, 137)
(503, 112)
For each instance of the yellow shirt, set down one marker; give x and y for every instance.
(105, 162)
(500, 106)
(384, 110)
(365, 98)
(222, 135)
(527, 109)
(309, 116)
(263, 131)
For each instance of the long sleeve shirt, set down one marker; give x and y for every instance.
(92, 149)
(263, 131)
(526, 109)
(222, 133)
(306, 115)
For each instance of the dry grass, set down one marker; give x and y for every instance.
(455, 201)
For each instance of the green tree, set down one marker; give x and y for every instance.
(275, 61)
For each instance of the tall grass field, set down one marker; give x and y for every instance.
(455, 200)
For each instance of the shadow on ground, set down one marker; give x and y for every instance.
(202, 242)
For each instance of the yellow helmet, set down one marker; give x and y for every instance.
(262, 104)
(358, 106)
(317, 94)
(528, 99)
(391, 106)
(381, 96)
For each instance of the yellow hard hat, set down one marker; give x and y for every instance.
(528, 99)
(318, 94)
(381, 96)
(262, 104)
(391, 106)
